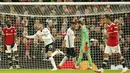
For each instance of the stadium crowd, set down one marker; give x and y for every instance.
(30, 56)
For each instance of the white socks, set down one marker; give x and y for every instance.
(52, 62)
(63, 61)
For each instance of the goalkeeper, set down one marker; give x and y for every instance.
(85, 45)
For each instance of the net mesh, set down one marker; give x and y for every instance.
(60, 10)
(32, 56)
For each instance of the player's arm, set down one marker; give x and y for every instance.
(30, 36)
(83, 40)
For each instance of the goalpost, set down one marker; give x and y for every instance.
(59, 15)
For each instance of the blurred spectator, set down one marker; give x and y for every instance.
(18, 24)
(127, 25)
(57, 38)
(95, 9)
(97, 34)
(101, 19)
(27, 44)
(65, 8)
(63, 30)
(107, 9)
(1, 43)
(25, 21)
(20, 27)
(78, 12)
(102, 48)
(88, 10)
(121, 21)
(2, 21)
(94, 21)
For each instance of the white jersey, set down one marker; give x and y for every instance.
(70, 36)
(45, 34)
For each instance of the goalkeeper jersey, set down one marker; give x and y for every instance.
(84, 38)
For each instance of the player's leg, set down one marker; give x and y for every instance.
(9, 56)
(51, 59)
(106, 55)
(122, 60)
(57, 51)
(63, 61)
(89, 59)
(80, 57)
(70, 52)
(65, 58)
(16, 55)
(49, 55)
(117, 50)
(73, 55)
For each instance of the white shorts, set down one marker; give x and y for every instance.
(112, 49)
(10, 50)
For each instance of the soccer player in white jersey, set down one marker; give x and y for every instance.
(44, 35)
(68, 43)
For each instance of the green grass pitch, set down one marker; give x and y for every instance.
(58, 71)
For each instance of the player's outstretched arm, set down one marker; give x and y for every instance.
(30, 36)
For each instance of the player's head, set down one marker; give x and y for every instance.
(50, 23)
(8, 23)
(116, 21)
(38, 26)
(72, 25)
(108, 19)
(80, 24)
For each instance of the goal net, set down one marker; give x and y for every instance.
(59, 16)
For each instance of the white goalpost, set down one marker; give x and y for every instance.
(59, 15)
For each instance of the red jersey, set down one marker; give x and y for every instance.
(9, 35)
(112, 31)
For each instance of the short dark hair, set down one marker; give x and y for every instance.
(108, 17)
(8, 22)
(72, 23)
(79, 22)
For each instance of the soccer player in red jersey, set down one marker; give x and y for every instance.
(112, 44)
(9, 37)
